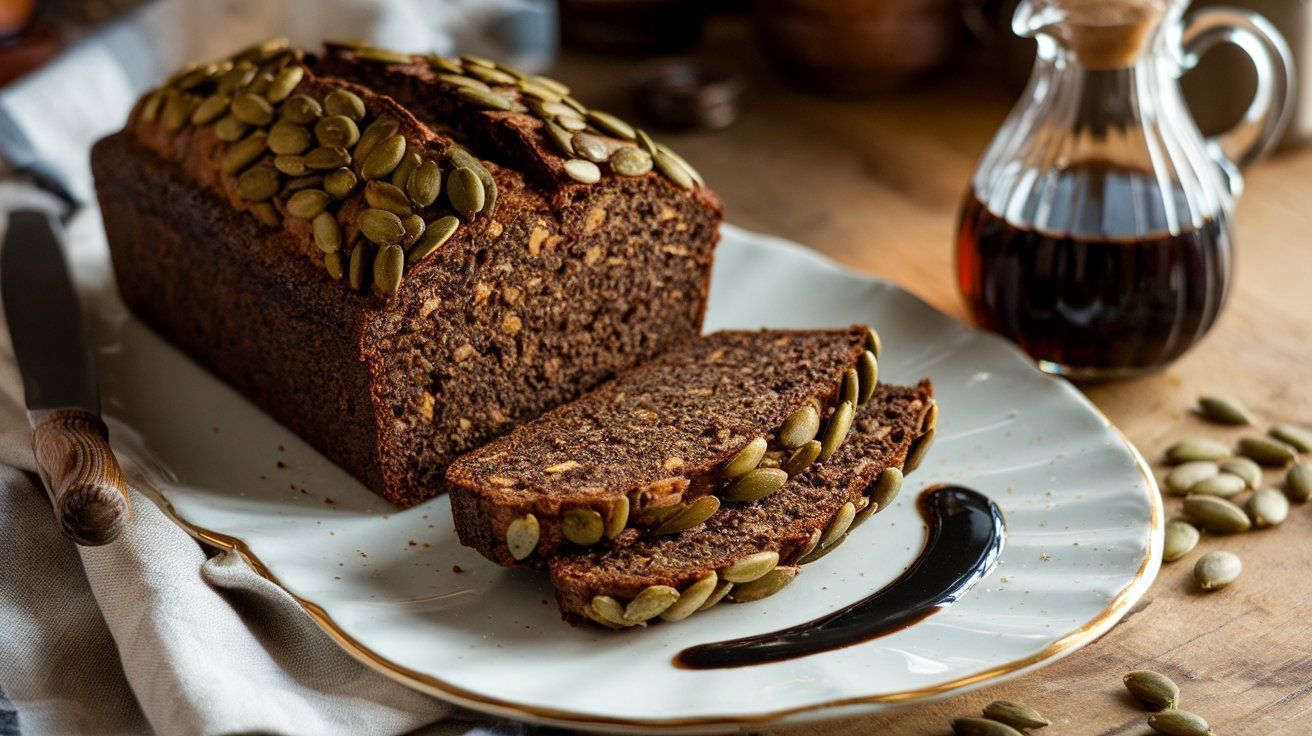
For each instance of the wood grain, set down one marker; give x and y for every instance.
(83, 480)
(875, 185)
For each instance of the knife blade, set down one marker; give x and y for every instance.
(69, 440)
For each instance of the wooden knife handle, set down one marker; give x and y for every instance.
(81, 476)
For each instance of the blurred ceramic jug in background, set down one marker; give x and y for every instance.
(1097, 230)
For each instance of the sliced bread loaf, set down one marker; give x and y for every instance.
(728, 416)
(749, 552)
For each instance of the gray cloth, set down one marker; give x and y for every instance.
(150, 632)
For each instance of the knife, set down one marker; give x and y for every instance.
(70, 441)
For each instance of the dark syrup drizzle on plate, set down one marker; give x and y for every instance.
(966, 532)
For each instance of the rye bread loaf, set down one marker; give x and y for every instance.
(748, 552)
(728, 416)
(398, 275)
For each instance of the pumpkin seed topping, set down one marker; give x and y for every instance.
(583, 171)
(484, 98)
(344, 102)
(802, 458)
(631, 161)
(384, 157)
(692, 598)
(756, 485)
(381, 226)
(243, 153)
(836, 430)
(340, 183)
(848, 389)
(258, 183)
(210, 109)
(358, 269)
(619, 515)
(609, 609)
(332, 262)
(401, 174)
(384, 196)
(583, 527)
(867, 369)
(389, 264)
(326, 159)
(252, 109)
(608, 123)
(667, 165)
(765, 586)
(839, 526)
(327, 234)
(337, 131)
(522, 536)
(886, 487)
(383, 56)
(437, 233)
(800, 427)
(750, 567)
(692, 515)
(465, 192)
(289, 138)
(307, 204)
(424, 184)
(284, 82)
(301, 109)
(650, 603)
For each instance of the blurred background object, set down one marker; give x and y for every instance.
(680, 95)
(633, 27)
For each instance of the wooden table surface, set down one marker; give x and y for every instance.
(875, 185)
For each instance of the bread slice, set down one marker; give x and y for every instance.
(726, 416)
(748, 552)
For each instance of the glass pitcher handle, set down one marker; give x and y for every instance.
(1264, 120)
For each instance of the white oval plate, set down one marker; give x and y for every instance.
(397, 590)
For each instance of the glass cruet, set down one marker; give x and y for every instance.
(1097, 230)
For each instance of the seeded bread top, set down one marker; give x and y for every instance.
(679, 415)
(305, 145)
(881, 436)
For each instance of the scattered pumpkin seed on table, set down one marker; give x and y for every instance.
(1223, 411)
(1300, 438)
(1298, 483)
(1266, 451)
(1224, 485)
(1181, 538)
(1216, 514)
(981, 727)
(1153, 689)
(1014, 714)
(1186, 475)
(1217, 569)
(1190, 450)
(1267, 507)
(1179, 723)
(1245, 468)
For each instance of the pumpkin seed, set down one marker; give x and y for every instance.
(802, 458)
(437, 233)
(536, 91)
(1217, 569)
(981, 727)
(551, 84)
(1179, 723)
(301, 110)
(886, 488)
(1223, 411)
(650, 603)
(381, 227)
(383, 56)
(325, 159)
(619, 512)
(572, 124)
(265, 213)
(344, 102)
(755, 485)
(848, 390)
(289, 138)
(721, 590)
(919, 448)
(591, 147)
(384, 196)
(490, 76)
(252, 109)
(462, 158)
(307, 203)
(1266, 451)
(229, 129)
(358, 269)
(561, 138)
(1153, 689)
(178, 110)
(414, 229)
(258, 184)
(692, 515)
(284, 83)
(327, 234)
(522, 536)
(336, 131)
(653, 516)
(151, 104)
(591, 614)
(631, 161)
(583, 527)
(210, 109)
(340, 183)
(1181, 538)
(687, 167)
(291, 166)
(297, 183)
(873, 343)
(235, 78)
(459, 80)
(389, 265)
(334, 265)
(1191, 450)
(401, 174)
(609, 609)
(260, 84)
(800, 427)
(1224, 485)
(672, 170)
(465, 192)
(645, 141)
(1298, 483)
(691, 599)
(1216, 514)
(424, 184)
(1016, 715)
(582, 171)
(767, 585)
(1299, 438)
(1267, 507)
(1245, 468)
(836, 430)
(607, 123)
(867, 370)
(471, 60)
(384, 157)
(379, 130)
(443, 64)
(750, 567)
(244, 152)
(839, 526)
(484, 98)
(811, 544)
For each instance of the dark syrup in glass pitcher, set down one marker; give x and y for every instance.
(1097, 232)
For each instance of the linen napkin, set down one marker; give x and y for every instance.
(154, 632)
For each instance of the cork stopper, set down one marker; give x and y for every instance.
(1109, 34)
